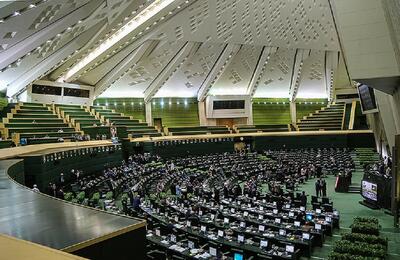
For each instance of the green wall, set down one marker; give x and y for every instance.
(129, 106)
(306, 106)
(271, 111)
(176, 111)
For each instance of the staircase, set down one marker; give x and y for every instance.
(327, 118)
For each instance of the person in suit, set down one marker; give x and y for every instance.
(303, 199)
(317, 187)
(323, 187)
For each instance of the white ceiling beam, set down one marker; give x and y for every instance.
(301, 56)
(260, 69)
(127, 64)
(179, 58)
(218, 69)
(42, 68)
(331, 66)
(27, 45)
(140, 25)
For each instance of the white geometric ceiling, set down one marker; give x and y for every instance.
(193, 48)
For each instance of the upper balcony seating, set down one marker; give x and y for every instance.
(328, 118)
(134, 126)
(78, 115)
(36, 121)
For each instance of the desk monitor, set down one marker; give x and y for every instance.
(220, 233)
(297, 224)
(213, 251)
(243, 224)
(158, 232)
(278, 220)
(261, 228)
(287, 206)
(318, 211)
(260, 217)
(264, 243)
(290, 248)
(302, 208)
(200, 213)
(173, 238)
(328, 219)
(275, 211)
(291, 214)
(212, 216)
(282, 232)
(245, 214)
(306, 236)
(309, 217)
(203, 228)
(318, 226)
(240, 238)
(188, 223)
(238, 256)
(226, 220)
(261, 208)
(191, 244)
(232, 210)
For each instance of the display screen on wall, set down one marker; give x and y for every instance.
(46, 90)
(74, 92)
(367, 97)
(228, 104)
(369, 190)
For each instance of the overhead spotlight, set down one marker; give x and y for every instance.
(140, 103)
(162, 103)
(169, 103)
(185, 102)
(177, 103)
(123, 104)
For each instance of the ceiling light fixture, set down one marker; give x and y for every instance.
(145, 15)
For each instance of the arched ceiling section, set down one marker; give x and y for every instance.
(186, 48)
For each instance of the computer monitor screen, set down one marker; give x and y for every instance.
(275, 211)
(287, 206)
(318, 226)
(302, 208)
(213, 251)
(282, 232)
(369, 190)
(158, 232)
(261, 228)
(260, 217)
(226, 220)
(240, 238)
(309, 217)
(173, 238)
(291, 214)
(220, 233)
(261, 208)
(245, 214)
(200, 213)
(328, 219)
(190, 244)
(242, 224)
(264, 243)
(232, 210)
(237, 256)
(318, 211)
(289, 248)
(277, 220)
(297, 223)
(203, 228)
(188, 223)
(306, 236)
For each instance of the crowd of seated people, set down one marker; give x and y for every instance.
(211, 205)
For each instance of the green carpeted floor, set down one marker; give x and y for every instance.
(348, 206)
